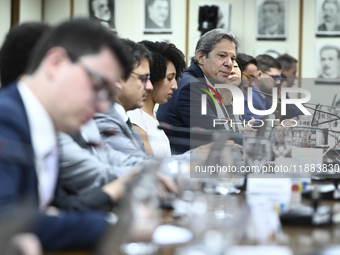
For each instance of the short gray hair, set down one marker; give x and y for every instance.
(208, 41)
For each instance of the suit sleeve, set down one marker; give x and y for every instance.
(94, 199)
(79, 169)
(70, 230)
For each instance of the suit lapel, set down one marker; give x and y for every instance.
(135, 138)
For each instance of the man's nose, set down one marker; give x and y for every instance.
(148, 85)
(228, 62)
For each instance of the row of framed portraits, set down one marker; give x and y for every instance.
(327, 61)
(272, 16)
(157, 15)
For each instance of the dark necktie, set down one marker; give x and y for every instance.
(128, 122)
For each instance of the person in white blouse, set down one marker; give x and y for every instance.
(167, 65)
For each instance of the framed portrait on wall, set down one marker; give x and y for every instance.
(271, 19)
(103, 11)
(213, 15)
(327, 18)
(327, 59)
(157, 17)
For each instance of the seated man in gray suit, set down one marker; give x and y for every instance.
(131, 94)
(88, 163)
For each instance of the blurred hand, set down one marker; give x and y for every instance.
(249, 130)
(116, 188)
(27, 244)
(168, 183)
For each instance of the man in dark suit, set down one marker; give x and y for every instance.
(330, 10)
(131, 94)
(212, 64)
(68, 78)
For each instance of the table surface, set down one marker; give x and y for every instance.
(301, 239)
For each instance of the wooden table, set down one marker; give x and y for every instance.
(301, 239)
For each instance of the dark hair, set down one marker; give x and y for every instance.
(16, 49)
(241, 85)
(331, 2)
(286, 61)
(162, 52)
(208, 41)
(273, 2)
(137, 52)
(244, 60)
(265, 62)
(80, 37)
(330, 47)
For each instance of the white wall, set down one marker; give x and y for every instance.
(5, 18)
(30, 10)
(130, 22)
(56, 11)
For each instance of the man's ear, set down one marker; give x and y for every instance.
(259, 73)
(54, 59)
(118, 85)
(199, 56)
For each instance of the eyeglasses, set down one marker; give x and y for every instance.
(248, 76)
(276, 78)
(100, 84)
(143, 77)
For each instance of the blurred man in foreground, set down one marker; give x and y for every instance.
(68, 79)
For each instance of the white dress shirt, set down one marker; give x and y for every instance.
(44, 142)
(121, 111)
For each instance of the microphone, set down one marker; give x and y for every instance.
(194, 130)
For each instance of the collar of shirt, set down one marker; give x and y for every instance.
(208, 82)
(90, 132)
(121, 111)
(43, 134)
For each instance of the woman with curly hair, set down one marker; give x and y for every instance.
(166, 67)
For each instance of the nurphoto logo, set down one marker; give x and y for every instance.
(238, 101)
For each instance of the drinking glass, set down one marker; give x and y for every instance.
(282, 142)
(257, 151)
